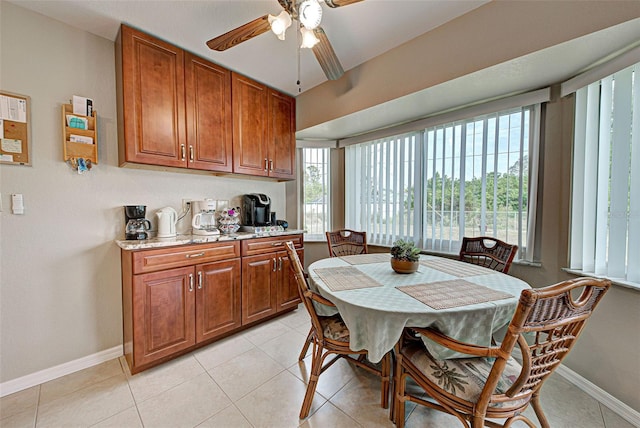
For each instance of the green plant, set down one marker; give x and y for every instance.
(405, 250)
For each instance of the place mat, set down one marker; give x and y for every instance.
(364, 259)
(345, 278)
(451, 294)
(455, 267)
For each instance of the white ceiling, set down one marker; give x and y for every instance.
(358, 32)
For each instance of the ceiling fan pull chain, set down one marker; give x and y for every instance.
(298, 55)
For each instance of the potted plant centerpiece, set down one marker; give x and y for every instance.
(404, 256)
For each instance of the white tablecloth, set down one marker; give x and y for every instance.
(376, 316)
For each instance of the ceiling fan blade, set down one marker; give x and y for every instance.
(326, 56)
(240, 34)
(339, 3)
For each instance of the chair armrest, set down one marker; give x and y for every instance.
(318, 298)
(456, 345)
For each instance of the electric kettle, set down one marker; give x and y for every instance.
(167, 219)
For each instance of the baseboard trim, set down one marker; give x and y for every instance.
(42, 376)
(616, 406)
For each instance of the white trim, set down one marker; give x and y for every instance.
(316, 144)
(617, 281)
(42, 376)
(529, 98)
(611, 402)
(601, 71)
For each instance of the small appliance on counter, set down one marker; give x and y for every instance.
(203, 220)
(136, 225)
(256, 211)
(167, 219)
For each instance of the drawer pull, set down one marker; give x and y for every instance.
(266, 164)
(191, 256)
(182, 152)
(190, 282)
(199, 280)
(277, 244)
(279, 263)
(274, 265)
(191, 153)
(271, 165)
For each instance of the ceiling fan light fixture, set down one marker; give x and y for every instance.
(310, 14)
(280, 23)
(309, 38)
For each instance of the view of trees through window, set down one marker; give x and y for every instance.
(315, 190)
(411, 185)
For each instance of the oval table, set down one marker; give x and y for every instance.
(379, 308)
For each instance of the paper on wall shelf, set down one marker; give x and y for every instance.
(80, 139)
(77, 122)
(82, 105)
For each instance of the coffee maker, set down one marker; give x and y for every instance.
(256, 210)
(136, 225)
(203, 220)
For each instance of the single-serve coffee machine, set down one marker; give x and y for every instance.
(136, 225)
(203, 219)
(256, 210)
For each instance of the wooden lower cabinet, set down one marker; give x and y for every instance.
(178, 298)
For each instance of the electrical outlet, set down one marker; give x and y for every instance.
(186, 203)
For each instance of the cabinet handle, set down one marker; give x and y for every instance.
(279, 263)
(271, 165)
(191, 153)
(190, 282)
(199, 280)
(191, 256)
(182, 151)
(266, 164)
(274, 265)
(276, 244)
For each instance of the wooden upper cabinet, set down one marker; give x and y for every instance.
(250, 105)
(282, 135)
(209, 120)
(151, 76)
(264, 127)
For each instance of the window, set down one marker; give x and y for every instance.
(315, 191)
(605, 219)
(468, 177)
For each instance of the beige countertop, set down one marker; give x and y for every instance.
(126, 244)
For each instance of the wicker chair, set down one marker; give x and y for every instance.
(493, 384)
(330, 335)
(488, 252)
(346, 242)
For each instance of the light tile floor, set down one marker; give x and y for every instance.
(251, 379)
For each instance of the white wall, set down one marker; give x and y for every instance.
(60, 295)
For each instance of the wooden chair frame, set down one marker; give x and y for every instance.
(553, 321)
(488, 252)
(346, 242)
(324, 346)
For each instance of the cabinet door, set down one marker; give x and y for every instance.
(259, 287)
(208, 101)
(153, 100)
(282, 135)
(217, 299)
(249, 126)
(163, 313)
(288, 295)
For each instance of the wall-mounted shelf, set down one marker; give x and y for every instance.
(74, 150)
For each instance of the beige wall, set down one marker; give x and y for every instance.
(607, 353)
(59, 266)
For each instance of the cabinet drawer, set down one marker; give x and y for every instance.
(166, 258)
(252, 247)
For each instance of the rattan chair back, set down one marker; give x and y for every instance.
(489, 252)
(346, 242)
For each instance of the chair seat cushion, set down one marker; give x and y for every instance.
(333, 327)
(463, 377)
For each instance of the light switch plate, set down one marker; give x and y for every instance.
(17, 203)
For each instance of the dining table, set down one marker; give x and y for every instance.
(464, 301)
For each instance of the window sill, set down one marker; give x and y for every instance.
(616, 281)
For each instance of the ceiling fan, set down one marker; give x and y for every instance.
(309, 14)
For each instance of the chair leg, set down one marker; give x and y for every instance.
(384, 372)
(316, 368)
(535, 402)
(305, 347)
(398, 400)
